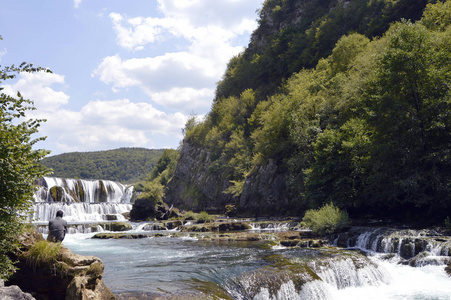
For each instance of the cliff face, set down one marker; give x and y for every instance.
(265, 191)
(196, 187)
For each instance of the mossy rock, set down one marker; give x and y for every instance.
(56, 193)
(233, 226)
(103, 193)
(111, 217)
(173, 224)
(290, 243)
(118, 226)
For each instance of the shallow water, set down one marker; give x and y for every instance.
(163, 266)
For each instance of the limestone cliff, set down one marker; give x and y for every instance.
(195, 186)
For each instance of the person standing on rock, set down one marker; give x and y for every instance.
(57, 228)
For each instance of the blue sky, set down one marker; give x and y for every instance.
(125, 73)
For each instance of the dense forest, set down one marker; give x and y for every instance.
(353, 107)
(293, 35)
(126, 165)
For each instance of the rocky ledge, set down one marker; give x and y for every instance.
(290, 236)
(70, 276)
(13, 293)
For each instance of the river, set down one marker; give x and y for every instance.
(183, 267)
(163, 266)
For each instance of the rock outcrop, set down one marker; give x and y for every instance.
(70, 276)
(13, 293)
(197, 186)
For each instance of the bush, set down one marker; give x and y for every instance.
(43, 253)
(189, 215)
(203, 217)
(326, 220)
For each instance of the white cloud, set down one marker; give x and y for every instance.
(186, 99)
(184, 77)
(111, 124)
(77, 3)
(98, 124)
(37, 87)
(137, 31)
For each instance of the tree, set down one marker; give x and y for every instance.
(19, 164)
(410, 111)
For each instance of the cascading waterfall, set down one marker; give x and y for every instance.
(315, 277)
(81, 200)
(414, 247)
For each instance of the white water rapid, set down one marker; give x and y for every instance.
(81, 200)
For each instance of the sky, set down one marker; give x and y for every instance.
(125, 73)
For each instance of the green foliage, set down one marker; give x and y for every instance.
(204, 217)
(293, 35)
(95, 270)
(225, 133)
(367, 128)
(437, 16)
(165, 167)
(151, 200)
(43, 253)
(201, 217)
(126, 165)
(19, 163)
(189, 215)
(328, 219)
(236, 188)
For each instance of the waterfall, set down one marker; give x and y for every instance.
(414, 247)
(343, 273)
(81, 200)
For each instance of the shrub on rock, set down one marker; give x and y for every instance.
(328, 219)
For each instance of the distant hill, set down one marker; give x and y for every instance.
(126, 165)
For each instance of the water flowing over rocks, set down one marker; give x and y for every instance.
(81, 200)
(313, 276)
(413, 247)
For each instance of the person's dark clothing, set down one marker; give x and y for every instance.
(57, 230)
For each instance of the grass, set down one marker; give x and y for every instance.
(43, 253)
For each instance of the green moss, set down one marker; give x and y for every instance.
(95, 270)
(103, 193)
(57, 192)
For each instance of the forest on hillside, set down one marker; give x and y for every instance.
(363, 122)
(293, 35)
(126, 165)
